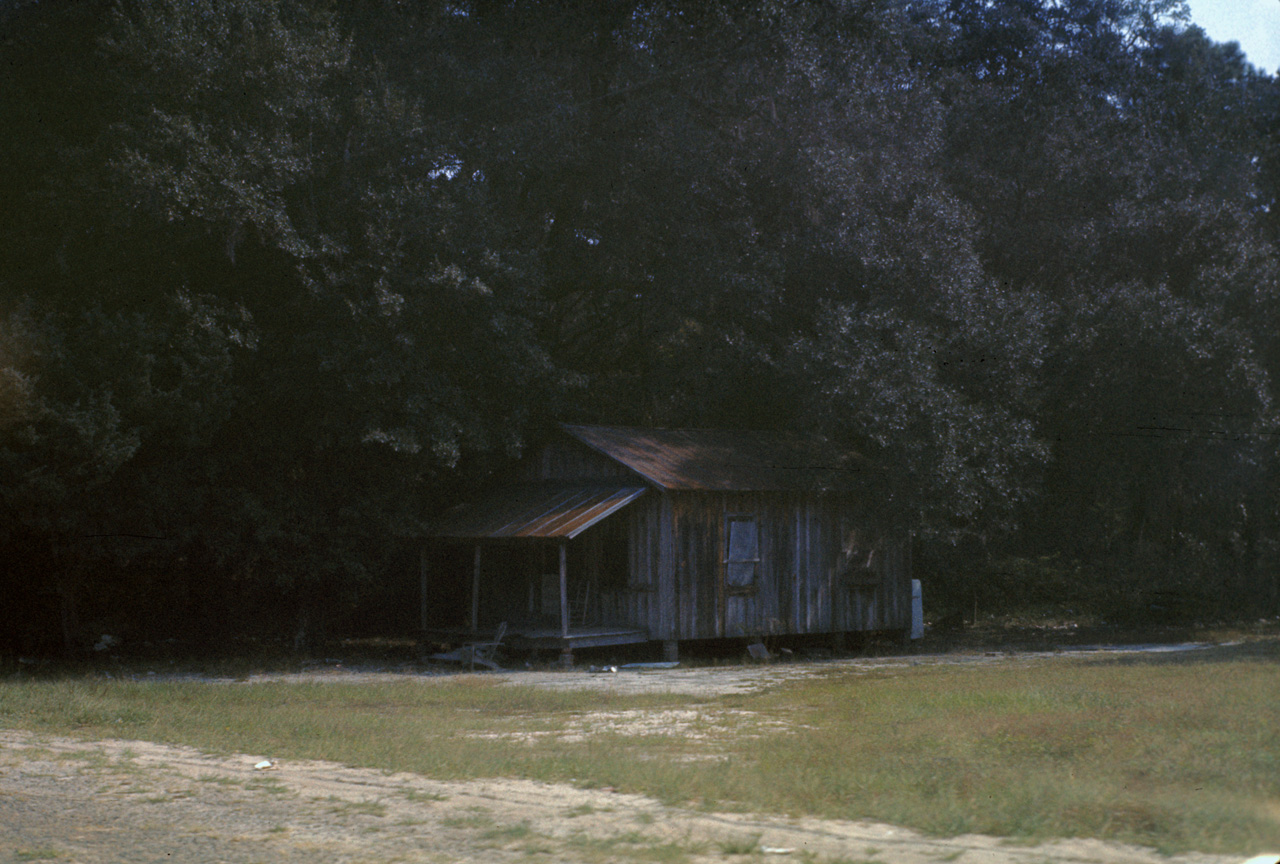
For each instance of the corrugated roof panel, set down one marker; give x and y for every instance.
(535, 511)
(723, 460)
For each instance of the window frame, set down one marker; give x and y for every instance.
(727, 560)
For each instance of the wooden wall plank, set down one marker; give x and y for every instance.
(676, 559)
(665, 571)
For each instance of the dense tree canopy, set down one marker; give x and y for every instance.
(278, 278)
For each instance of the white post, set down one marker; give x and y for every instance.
(917, 610)
(564, 593)
(566, 653)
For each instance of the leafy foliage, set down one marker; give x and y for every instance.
(279, 278)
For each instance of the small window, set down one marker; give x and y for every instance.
(742, 555)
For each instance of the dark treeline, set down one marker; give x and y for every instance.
(279, 279)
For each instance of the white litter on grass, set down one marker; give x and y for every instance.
(1265, 858)
(776, 850)
(265, 765)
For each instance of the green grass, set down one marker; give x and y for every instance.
(423, 797)
(219, 780)
(1178, 752)
(503, 834)
(739, 845)
(630, 847)
(271, 786)
(474, 822)
(358, 808)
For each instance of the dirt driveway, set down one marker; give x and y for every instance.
(118, 801)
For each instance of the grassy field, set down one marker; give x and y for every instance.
(1180, 752)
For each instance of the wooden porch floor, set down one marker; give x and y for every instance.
(524, 638)
(579, 637)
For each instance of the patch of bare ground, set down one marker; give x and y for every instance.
(706, 680)
(107, 801)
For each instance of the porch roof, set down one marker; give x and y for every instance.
(535, 511)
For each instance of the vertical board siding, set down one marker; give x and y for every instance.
(808, 579)
(696, 537)
(642, 577)
(774, 562)
(784, 551)
(812, 575)
(762, 605)
(819, 555)
(798, 563)
(736, 610)
(665, 572)
(697, 603)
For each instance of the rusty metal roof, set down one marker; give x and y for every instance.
(724, 460)
(535, 511)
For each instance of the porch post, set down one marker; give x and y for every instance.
(475, 594)
(566, 653)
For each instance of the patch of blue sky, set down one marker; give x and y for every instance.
(1255, 24)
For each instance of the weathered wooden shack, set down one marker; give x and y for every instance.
(610, 535)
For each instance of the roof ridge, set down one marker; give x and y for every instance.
(719, 459)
